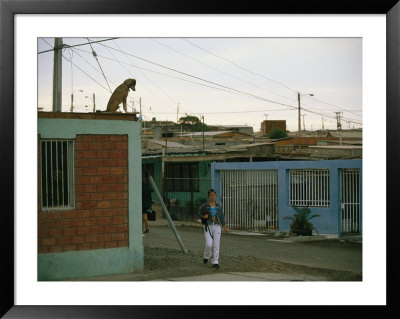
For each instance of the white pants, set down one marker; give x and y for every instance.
(212, 235)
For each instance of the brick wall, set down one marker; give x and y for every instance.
(267, 126)
(100, 217)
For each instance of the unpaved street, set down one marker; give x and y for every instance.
(326, 260)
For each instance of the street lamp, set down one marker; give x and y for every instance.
(298, 98)
(72, 99)
(94, 102)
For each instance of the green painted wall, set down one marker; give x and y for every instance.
(75, 264)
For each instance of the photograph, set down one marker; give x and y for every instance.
(226, 158)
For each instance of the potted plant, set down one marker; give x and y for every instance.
(301, 224)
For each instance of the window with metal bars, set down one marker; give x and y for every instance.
(57, 174)
(182, 177)
(309, 187)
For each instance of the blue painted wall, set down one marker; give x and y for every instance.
(330, 220)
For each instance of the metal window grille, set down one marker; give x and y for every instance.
(350, 200)
(250, 198)
(309, 187)
(57, 174)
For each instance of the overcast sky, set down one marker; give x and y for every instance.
(230, 81)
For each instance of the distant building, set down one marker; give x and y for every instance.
(267, 126)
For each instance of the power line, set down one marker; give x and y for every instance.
(98, 62)
(65, 46)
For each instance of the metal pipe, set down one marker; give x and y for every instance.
(166, 213)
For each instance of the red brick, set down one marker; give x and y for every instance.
(69, 247)
(81, 146)
(89, 171)
(103, 204)
(116, 187)
(69, 214)
(117, 236)
(109, 212)
(101, 188)
(48, 241)
(120, 203)
(122, 162)
(79, 171)
(54, 215)
(88, 138)
(95, 213)
(62, 240)
(121, 179)
(69, 231)
(79, 188)
(84, 246)
(117, 170)
(96, 146)
(109, 179)
(42, 215)
(86, 205)
(117, 154)
(83, 230)
(109, 146)
(96, 162)
(103, 171)
(89, 188)
(111, 244)
(90, 222)
(77, 240)
(82, 163)
(104, 221)
(96, 180)
(42, 233)
(115, 220)
(55, 232)
(110, 228)
(47, 224)
(62, 223)
(102, 138)
(91, 239)
(89, 154)
(97, 230)
(121, 146)
(116, 138)
(78, 155)
(122, 195)
(105, 237)
(82, 197)
(122, 212)
(109, 162)
(103, 154)
(96, 196)
(55, 249)
(97, 245)
(76, 223)
(82, 214)
(82, 180)
(112, 195)
(122, 228)
(44, 250)
(123, 243)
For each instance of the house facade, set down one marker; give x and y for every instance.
(89, 195)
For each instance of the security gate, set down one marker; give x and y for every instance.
(350, 200)
(250, 198)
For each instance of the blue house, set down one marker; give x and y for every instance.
(259, 195)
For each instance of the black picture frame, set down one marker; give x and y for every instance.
(8, 10)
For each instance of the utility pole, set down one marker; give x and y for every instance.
(140, 106)
(299, 124)
(177, 114)
(57, 74)
(339, 125)
(304, 124)
(322, 123)
(94, 103)
(203, 131)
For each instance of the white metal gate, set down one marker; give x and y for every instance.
(350, 200)
(250, 198)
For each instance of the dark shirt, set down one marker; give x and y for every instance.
(146, 196)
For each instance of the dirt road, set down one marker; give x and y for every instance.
(327, 260)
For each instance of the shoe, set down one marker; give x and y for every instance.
(146, 231)
(216, 266)
(205, 260)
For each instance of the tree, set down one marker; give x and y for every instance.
(193, 123)
(277, 133)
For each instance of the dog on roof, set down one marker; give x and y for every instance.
(120, 94)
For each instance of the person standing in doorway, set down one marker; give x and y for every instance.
(213, 218)
(146, 202)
